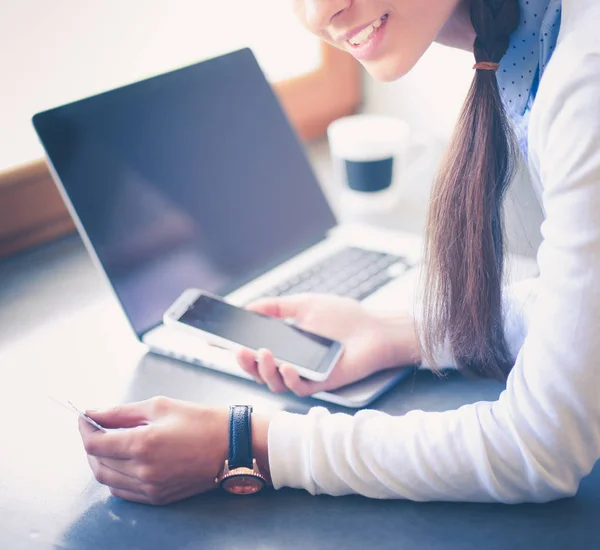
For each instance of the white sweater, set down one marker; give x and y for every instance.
(543, 434)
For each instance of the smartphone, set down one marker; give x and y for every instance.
(225, 325)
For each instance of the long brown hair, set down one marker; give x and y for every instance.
(464, 244)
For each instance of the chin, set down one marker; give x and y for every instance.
(388, 70)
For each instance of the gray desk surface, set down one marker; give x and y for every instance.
(61, 332)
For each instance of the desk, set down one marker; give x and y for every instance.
(61, 331)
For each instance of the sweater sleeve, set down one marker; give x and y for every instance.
(543, 434)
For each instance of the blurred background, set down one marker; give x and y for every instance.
(56, 52)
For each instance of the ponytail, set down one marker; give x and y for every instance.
(464, 242)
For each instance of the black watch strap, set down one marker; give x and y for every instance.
(240, 437)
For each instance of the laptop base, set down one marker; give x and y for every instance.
(176, 344)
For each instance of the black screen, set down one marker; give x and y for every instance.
(190, 179)
(254, 331)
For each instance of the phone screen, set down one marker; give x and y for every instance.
(287, 342)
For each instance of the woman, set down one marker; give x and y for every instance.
(536, 92)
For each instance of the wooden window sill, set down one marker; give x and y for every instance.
(32, 211)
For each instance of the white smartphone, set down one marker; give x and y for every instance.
(225, 325)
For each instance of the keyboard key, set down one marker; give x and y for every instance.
(352, 272)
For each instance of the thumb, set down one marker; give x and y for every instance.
(287, 307)
(122, 416)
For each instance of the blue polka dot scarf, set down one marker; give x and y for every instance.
(531, 47)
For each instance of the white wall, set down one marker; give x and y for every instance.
(430, 98)
(56, 51)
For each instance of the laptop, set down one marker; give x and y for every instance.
(195, 178)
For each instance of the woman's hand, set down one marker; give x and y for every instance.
(371, 342)
(168, 451)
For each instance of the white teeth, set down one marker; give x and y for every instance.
(363, 35)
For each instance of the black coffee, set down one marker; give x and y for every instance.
(369, 176)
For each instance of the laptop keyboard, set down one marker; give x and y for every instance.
(352, 272)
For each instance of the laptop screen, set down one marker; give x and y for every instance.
(190, 179)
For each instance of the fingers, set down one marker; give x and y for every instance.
(247, 362)
(126, 467)
(112, 478)
(298, 385)
(119, 444)
(264, 369)
(142, 498)
(146, 488)
(130, 495)
(133, 442)
(134, 481)
(122, 416)
(268, 371)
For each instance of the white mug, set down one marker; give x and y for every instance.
(368, 151)
(368, 154)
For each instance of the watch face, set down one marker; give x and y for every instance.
(243, 484)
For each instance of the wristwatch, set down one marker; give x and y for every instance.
(240, 475)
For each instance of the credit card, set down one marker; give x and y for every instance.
(68, 405)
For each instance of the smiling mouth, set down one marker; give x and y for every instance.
(367, 33)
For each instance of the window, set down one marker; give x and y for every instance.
(55, 52)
